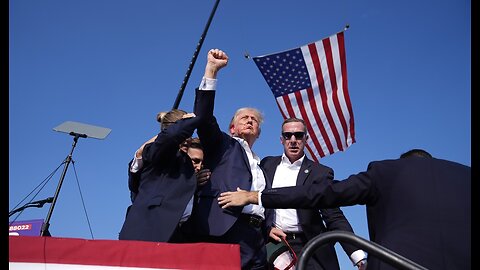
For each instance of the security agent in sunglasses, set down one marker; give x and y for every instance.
(293, 168)
(417, 206)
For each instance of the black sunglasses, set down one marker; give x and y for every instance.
(298, 135)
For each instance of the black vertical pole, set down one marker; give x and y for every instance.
(46, 223)
(195, 55)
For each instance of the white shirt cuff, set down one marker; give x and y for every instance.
(357, 256)
(137, 163)
(260, 198)
(208, 84)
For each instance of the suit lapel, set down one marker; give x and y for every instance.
(304, 171)
(270, 169)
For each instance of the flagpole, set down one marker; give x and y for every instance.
(194, 58)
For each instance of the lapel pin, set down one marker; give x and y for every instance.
(306, 171)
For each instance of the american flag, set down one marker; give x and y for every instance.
(310, 83)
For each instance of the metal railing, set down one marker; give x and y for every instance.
(373, 249)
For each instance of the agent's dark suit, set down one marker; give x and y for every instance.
(311, 220)
(230, 168)
(416, 207)
(167, 182)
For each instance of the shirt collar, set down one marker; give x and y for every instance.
(297, 162)
(247, 148)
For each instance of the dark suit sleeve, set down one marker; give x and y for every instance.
(356, 189)
(333, 218)
(204, 104)
(167, 142)
(213, 139)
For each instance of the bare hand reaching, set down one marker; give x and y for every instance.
(203, 176)
(237, 198)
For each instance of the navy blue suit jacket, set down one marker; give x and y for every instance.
(417, 207)
(166, 184)
(311, 220)
(228, 162)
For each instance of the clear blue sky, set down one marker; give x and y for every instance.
(116, 63)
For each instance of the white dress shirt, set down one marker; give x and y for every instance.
(286, 176)
(258, 179)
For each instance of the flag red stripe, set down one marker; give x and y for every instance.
(305, 117)
(281, 110)
(321, 127)
(333, 81)
(323, 93)
(313, 154)
(288, 106)
(343, 61)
